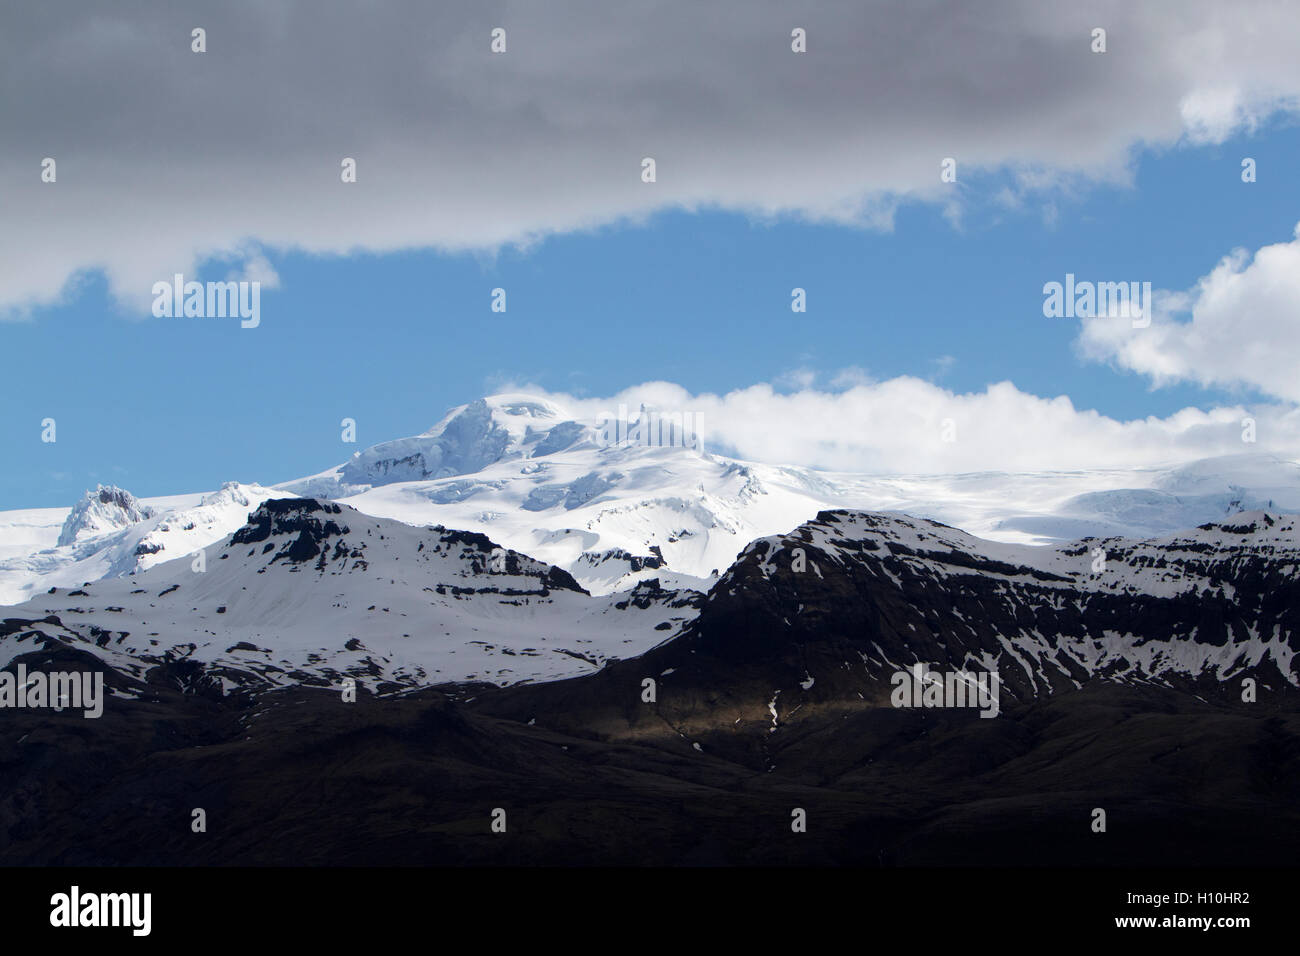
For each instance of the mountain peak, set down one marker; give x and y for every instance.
(513, 411)
(468, 439)
(107, 508)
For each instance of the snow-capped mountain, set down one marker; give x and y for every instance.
(809, 629)
(468, 439)
(311, 592)
(534, 478)
(106, 509)
(488, 672)
(1212, 603)
(525, 472)
(110, 533)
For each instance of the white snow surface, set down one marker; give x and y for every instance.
(107, 508)
(387, 603)
(523, 471)
(161, 534)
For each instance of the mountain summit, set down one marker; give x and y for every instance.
(107, 508)
(468, 439)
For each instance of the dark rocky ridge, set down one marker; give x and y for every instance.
(866, 606)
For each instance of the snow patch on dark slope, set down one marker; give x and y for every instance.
(811, 626)
(888, 591)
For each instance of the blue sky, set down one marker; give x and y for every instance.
(521, 169)
(170, 405)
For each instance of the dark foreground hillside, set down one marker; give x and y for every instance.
(1159, 689)
(301, 777)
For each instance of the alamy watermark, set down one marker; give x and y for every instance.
(1090, 300)
(209, 300)
(921, 687)
(651, 428)
(75, 908)
(55, 690)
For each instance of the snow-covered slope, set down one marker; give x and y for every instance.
(1156, 502)
(121, 535)
(543, 484)
(28, 530)
(311, 592)
(615, 517)
(106, 509)
(526, 472)
(468, 439)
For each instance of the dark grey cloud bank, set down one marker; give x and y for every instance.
(166, 157)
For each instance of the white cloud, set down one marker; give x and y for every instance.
(256, 268)
(1212, 115)
(797, 378)
(943, 365)
(850, 377)
(168, 159)
(896, 427)
(1239, 326)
